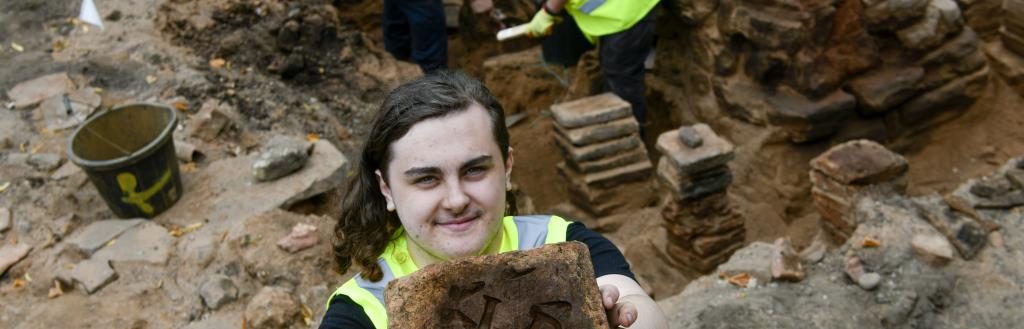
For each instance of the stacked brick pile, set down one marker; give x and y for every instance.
(702, 229)
(601, 143)
(847, 172)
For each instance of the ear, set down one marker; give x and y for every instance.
(385, 190)
(508, 169)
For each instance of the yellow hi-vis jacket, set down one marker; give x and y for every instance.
(598, 18)
(519, 233)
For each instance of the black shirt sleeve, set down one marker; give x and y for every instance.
(343, 313)
(607, 258)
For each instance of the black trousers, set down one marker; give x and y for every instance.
(415, 29)
(622, 63)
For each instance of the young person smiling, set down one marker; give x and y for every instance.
(433, 184)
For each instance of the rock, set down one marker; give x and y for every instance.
(93, 237)
(754, 259)
(933, 249)
(596, 151)
(709, 244)
(1003, 201)
(941, 18)
(207, 197)
(11, 254)
(991, 187)
(590, 111)
(66, 170)
(63, 225)
(869, 281)
(279, 157)
(1009, 65)
(690, 137)
(815, 252)
(45, 161)
(853, 267)
(860, 162)
(765, 29)
(212, 118)
(889, 15)
(551, 286)
(600, 132)
(954, 96)
(218, 290)
(30, 93)
(146, 243)
(715, 151)
(272, 308)
(956, 49)
(55, 113)
(885, 88)
(965, 234)
(1012, 41)
(786, 264)
(743, 100)
(302, 236)
(5, 219)
(805, 119)
(1015, 176)
(93, 274)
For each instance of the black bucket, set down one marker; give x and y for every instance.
(128, 154)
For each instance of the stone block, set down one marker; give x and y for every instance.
(592, 152)
(93, 274)
(834, 210)
(548, 287)
(715, 151)
(619, 160)
(951, 98)
(884, 88)
(965, 234)
(807, 120)
(704, 264)
(93, 237)
(597, 133)
(31, 93)
(709, 245)
(938, 75)
(212, 118)
(1009, 65)
(767, 28)
(957, 48)
(590, 111)
(941, 18)
(860, 162)
(742, 100)
(786, 264)
(1012, 41)
(608, 178)
(146, 243)
(692, 187)
(890, 15)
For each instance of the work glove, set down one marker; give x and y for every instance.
(541, 24)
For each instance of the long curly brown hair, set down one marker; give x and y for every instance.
(366, 226)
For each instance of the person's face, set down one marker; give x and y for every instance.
(447, 181)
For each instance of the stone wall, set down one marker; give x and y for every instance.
(810, 68)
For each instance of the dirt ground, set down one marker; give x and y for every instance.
(308, 67)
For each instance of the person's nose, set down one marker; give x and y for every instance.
(455, 200)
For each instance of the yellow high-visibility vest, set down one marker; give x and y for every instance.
(519, 233)
(598, 18)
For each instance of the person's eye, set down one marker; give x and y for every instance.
(476, 171)
(425, 180)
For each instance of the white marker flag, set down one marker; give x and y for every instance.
(89, 14)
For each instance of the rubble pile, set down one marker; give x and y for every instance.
(882, 68)
(848, 171)
(702, 229)
(898, 269)
(600, 140)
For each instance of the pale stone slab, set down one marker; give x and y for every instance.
(590, 110)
